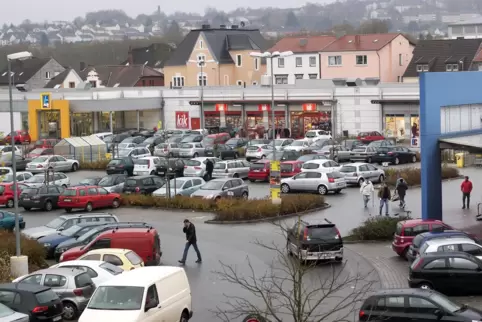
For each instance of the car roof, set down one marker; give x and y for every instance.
(202, 158)
(34, 288)
(128, 230)
(87, 224)
(81, 187)
(290, 162)
(355, 164)
(90, 214)
(142, 277)
(317, 161)
(81, 262)
(413, 222)
(143, 177)
(221, 179)
(60, 271)
(446, 254)
(442, 233)
(110, 251)
(149, 158)
(404, 291)
(262, 161)
(449, 241)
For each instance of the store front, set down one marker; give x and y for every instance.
(309, 116)
(48, 118)
(222, 117)
(400, 119)
(81, 124)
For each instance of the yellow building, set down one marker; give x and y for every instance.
(46, 116)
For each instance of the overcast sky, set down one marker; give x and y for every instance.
(41, 10)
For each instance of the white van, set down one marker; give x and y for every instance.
(147, 294)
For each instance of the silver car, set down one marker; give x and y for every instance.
(57, 179)
(113, 182)
(73, 286)
(180, 187)
(197, 167)
(258, 151)
(55, 162)
(9, 315)
(314, 181)
(357, 173)
(362, 154)
(299, 145)
(282, 143)
(220, 188)
(167, 150)
(336, 152)
(135, 153)
(231, 169)
(191, 150)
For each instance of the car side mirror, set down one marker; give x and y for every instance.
(439, 313)
(61, 228)
(294, 178)
(225, 188)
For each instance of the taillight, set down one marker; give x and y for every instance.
(40, 309)
(39, 166)
(148, 163)
(259, 150)
(121, 165)
(338, 235)
(138, 189)
(197, 168)
(390, 153)
(361, 314)
(305, 234)
(185, 167)
(78, 292)
(331, 180)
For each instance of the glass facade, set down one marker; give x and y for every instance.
(81, 124)
(301, 122)
(401, 125)
(49, 124)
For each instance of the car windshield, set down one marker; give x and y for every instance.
(115, 162)
(107, 181)
(193, 163)
(220, 165)
(232, 142)
(141, 162)
(71, 231)
(323, 232)
(131, 182)
(255, 142)
(213, 185)
(149, 140)
(305, 158)
(118, 298)
(124, 145)
(445, 302)
(40, 160)
(298, 143)
(37, 151)
(88, 181)
(208, 141)
(6, 311)
(310, 134)
(69, 192)
(186, 146)
(112, 269)
(55, 223)
(46, 297)
(7, 178)
(311, 166)
(133, 258)
(278, 142)
(36, 179)
(418, 240)
(256, 166)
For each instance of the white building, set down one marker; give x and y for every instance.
(469, 29)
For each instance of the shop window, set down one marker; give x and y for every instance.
(234, 121)
(301, 122)
(212, 121)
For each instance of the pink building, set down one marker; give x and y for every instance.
(382, 56)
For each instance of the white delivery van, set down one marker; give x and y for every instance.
(147, 294)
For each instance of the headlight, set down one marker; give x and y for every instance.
(47, 245)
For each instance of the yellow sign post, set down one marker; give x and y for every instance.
(274, 181)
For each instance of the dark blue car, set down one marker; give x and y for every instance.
(420, 239)
(51, 242)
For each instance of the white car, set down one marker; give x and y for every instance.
(124, 146)
(99, 271)
(6, 149)
(146, 165)
(5, 170)
(103, 135)
(321, 165)
(316, 135)
(314, 181)
(57, 179)
(299, 145)
(135, 153)
(196, 167)
(54, 162)
(259, 151)
(22, 176)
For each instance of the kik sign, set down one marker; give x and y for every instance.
(264, 107)
(309, 107)
(45, 100)
(182, 120)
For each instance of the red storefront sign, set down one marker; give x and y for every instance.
(182, 120)
(264, 107)
(221, 107)
(309, 107)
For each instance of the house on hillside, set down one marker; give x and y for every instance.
(121, 76)
(66, 79)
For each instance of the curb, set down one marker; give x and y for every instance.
(253, 221)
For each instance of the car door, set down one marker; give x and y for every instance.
(54, 193)
(119, 182)
(148, 185)
(390, 308)
(227, 189)
(187, 188)
(159, 311)
(472, 249)
(364, 172)
(312, 181)
(465, 275)
(158, 183)
(374, 174)
(334, 166)
(298, 181)
(436, 272)
(57, 283)
(94, 198)
(422, 309)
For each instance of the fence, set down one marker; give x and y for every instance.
(84, 149)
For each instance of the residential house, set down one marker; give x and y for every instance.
(134, 34)
(33, 38)
(121, 76)
(477, 62)
(101, 36)
(449, 19)
(66, 79)
(376, 56)
(443, 55)
(226, 57)
(305, 61)
(54, 37)
(31, 73)
(153, 56)
(112, 28)
(67, 37)
(467, 29)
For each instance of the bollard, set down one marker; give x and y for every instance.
(18, 265)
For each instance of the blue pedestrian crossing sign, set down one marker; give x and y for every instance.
(45, 100)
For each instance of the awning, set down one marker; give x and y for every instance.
(263, 101)
(470, 142)
(390, 101)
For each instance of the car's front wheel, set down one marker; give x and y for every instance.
(75, 167)
(115, 203)
(89, 207)
(48, 205)
(322, 190)
(10, 203)
(285, 188)
(414, 159)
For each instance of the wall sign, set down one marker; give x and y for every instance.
(264, 107)
(309, 107)
(182, 120)
(221, 107)
(45, 101)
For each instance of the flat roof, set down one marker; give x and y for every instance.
(474, 141)
(142, 276)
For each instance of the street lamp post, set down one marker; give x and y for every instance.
(19, 264)
(202, 63)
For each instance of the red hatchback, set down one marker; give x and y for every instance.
(290, 168)
(367, 137)
(46, 143)
(20, 137)
(259, 170)
(408, 229)
(88, 198)
(6, 193)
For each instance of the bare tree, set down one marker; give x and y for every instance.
(294, 290)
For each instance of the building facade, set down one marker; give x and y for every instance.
(469, 29)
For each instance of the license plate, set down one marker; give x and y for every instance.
(111, 168)
(68, 200)
(161, 172)
(381, 154)
(340, 185)
(57, 318)
(128, 192)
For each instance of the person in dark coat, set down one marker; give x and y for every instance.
(384, 195)
(401, 189)
(210, 167)
(191, 239)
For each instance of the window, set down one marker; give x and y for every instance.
(313, 61)
(281, 79)
(298, 76)
(361, 60)
(114, 260)
(71, 84)
(436, 264)
(239, 60)
(422, 68)
(281, 62)
(86, 269)
(437, 227)
(202, 79)
(452, 67)
(178, 81)
(92, 257)
(101, 243)
(472, 249)
(419, 305)
(313, 76)
(256, 64)
(239, 83)
(7, 297)
(201, 44)
(93, 192)
(93, 84)
(201, 60)
(102, 191)
(448, 248)
(255, 83)
(151, 296)
(32, 279)
(47, 75)
(400, 59)
(391, 304)
(462, 264)
(54, 280)
(299, 62)
(334, 60)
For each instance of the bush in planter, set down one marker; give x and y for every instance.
(95, 165)
(413, 175)
(379, 228)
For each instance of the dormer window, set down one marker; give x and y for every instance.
(422, 68)
(452, 67)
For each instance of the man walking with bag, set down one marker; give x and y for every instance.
(366, 191)
(466, 188)
(384, 195)
(401, 190)
(191, 239)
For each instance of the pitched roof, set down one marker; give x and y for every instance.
(302, 44)
(372, 42)
(155, 55)
(125, 76)
(23, 70)
(220, 42)
(438, 53)
(59, 79)
(478, 57)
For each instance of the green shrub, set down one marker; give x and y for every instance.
(231, 209)
(96, 165)
(413, 175)
(379, 228)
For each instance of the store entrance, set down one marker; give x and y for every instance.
(49, 124)
(81, 124)
(301, 122)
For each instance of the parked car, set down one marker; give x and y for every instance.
(451, 245)
(197, 167)
(191, 150)
(113, 182)
(231, 169)
(146, 165)
(167, 150)
(45, 143)
(7, 220)
(103, 135)
(381, 144)
(93, 181)
(39, 302)
(152, 142)
(341, 154)
(414, 304)
(407, 230)
(451, 273)
(88, 198)
(258, 142)
(134, 153)
(308, 157)
(219, 138)
(237, 143)
(125, 146)
(321, 241)
(314, 181)
(286, 155)
(54, 162)
(316, 135)
(143, 184)
(121, 166)
(99, 271)
(259, 170)
(220, 188)
(7, 150)
(351, 144)
(5, 170)
(321, 166)
(74, 287)
(122, 258)
(220, 148)
(320, 144)
(368, 137)
(394, 155)
(9, 315)
(229, 152)
(57, 179)
(362, 154)
(179, 187)
(357, 173)
(39, 152)
(290, 168)
(20, 161)
(282, 143)
(299, 145)
(43, 197)
(134, 139)
(175, 139)
(192, 138)
(175, 167)
(64, 222)
(7, 193)
(19, 136)
(258, 151)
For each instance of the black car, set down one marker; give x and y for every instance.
(121, 165)
(229, 153)
(20, 161)
(400, 305)
(394, 155)
(175, 167)
(45, 197)
(237, 142)
(315, 241)
(134, 139)
(147, 133)
(114, 140)
(39, 302)
(143, 184)
(192, 138)
(94, 181)
(221, 149)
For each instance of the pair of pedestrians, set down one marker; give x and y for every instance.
(384, 194)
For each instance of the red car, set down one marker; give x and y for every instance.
(20, 137)
(290, 168)
(88, 198)
(408, 229)
(259, 170)
(367, 137)
(6, 193)
(38, 152)
(45, 143)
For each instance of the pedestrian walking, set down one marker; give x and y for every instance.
(384, 195)
(366, 191)
(401, 190)
(466, 188)
(191, 239)
(209, 168)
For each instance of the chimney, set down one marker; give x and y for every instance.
(357, 40)
(82, 66)
(234, 27)
(130, 58)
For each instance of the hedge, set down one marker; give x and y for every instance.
(232, 209)
(96, 165)
(413, 175)
(380, 228)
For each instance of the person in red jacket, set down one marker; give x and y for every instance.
(466, 188)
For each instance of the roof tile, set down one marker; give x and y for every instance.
(296, 44)
(371, 42)
(125, 76)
